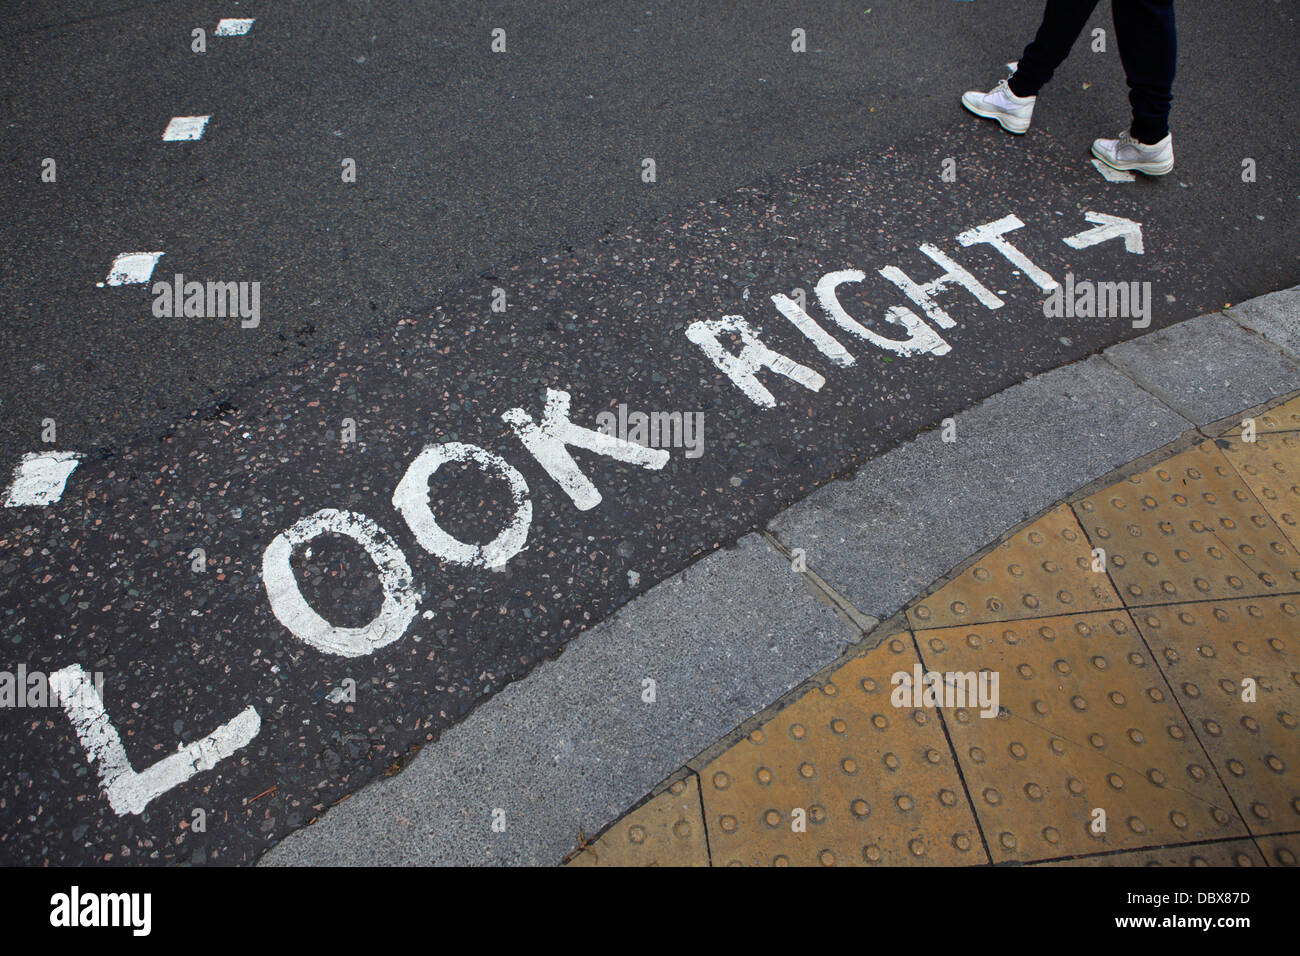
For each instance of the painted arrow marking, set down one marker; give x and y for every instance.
(1108, 227)
(128, 791)
(39, 478)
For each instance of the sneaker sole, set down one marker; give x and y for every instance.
(1149, 169)
(1010, 124)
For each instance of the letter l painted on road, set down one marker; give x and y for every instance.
(128, 791)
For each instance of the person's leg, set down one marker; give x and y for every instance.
(1063, 21)
(1148, 48)
(1011, 102)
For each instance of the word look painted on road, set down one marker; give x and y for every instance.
(550, 439)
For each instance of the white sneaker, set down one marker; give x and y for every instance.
(999, 103)
(1128, 154)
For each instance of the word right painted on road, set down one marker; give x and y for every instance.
(549, 438)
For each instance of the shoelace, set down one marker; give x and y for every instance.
(1126, 139)
(1004, 87)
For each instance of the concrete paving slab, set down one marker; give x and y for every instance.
(576, 742)
(1155, 732)
(913, 514)
(1208, 367)
(1275, 316)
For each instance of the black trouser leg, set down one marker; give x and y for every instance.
(1148, 48)
(1063, 21)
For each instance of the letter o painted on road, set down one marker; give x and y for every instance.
(411, 498)
(292, 609)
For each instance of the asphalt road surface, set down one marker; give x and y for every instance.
(378, 352)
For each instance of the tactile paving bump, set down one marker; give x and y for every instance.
(877, 783)
(1207, 650)
(1044, 569)
(1280, 418)
(1189, 529)
(1088, 723)
(1281, 850)
(1241, 853)
(1270, 466)
(667, 830)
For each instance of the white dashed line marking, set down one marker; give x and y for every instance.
(39, 478)
(232, 27)
(131, 268)
(1114, 175)
(185, 128)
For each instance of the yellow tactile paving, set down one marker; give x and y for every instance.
(1089, 724)
(877, 783)
(665, 831)
(1241, 853)
(1045, 569)
(1118, 691)
(1270, 466)
(1281, 850)
(1280, 418)
(1189, 529)
(1207, 650)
